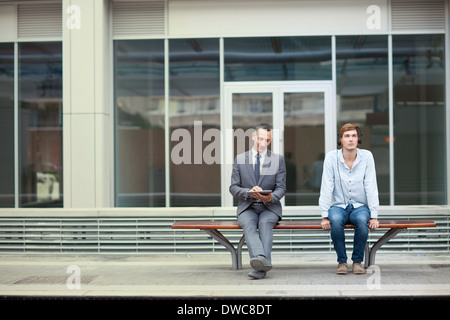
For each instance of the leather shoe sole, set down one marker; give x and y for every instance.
(260, 264)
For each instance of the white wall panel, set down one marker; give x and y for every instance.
(104, 161)
(83, 64)
(82, 169)
(284, 17)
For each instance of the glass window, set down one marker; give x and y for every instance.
(249, 110)
(6, 125)
(363, 97)
(194, 113)
(139, 103)
(419, 119)
(40, 111)
(277, 58)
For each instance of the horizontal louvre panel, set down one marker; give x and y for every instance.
(410, 14)
(139, 18)
(154, 235)
(39, 20)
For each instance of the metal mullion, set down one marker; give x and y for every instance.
(16, 124)
(391, 121)
(334, 112)
(223, 125)
(447, 90)
(166, 122)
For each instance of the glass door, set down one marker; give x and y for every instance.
(304, 145)
(302, 116)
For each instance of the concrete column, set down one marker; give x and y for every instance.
(87, 107)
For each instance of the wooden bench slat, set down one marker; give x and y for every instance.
(206, 225)
(305, 224)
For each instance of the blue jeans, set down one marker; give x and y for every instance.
(359, 217)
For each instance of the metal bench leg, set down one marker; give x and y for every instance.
(377, 245)
(366, 255)
(239, 251)
(235, 259)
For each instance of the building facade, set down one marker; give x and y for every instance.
(131, 112)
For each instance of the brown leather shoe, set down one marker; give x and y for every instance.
(358, 268)
(342, 268)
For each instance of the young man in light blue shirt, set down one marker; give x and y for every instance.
(349, 194)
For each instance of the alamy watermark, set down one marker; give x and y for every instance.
(74, 280)
(189, 146)
(373, 21)
(74, 19)
(374, 281)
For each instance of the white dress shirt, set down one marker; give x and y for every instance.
(342, 186)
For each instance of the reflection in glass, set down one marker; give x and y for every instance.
(139, 102)
(194, 122)
(6, 125)
(40, 105)
(304, 146)
(249, 110)
(362, 97)
(419, 119)
(277, 58)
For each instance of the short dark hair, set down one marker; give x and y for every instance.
(264, 126)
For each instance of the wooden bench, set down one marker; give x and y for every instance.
(212, 228)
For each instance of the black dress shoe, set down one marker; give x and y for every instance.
(260, 263)
(257, 274)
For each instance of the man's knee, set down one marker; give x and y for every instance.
(360, 216)
(336, 217)
(360, 220)
(268, 219)
(248, 220)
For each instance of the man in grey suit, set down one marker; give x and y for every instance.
(257, 213)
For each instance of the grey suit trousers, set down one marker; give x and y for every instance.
(257, 222)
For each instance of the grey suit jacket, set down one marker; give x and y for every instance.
(273, 177)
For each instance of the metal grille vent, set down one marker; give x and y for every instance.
(415, 14)
(139, 235)
(139, 18)
(54, 279)
(39, 20)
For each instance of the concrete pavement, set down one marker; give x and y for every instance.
(211, 276)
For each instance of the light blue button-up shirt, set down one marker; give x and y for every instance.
(342, 186)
